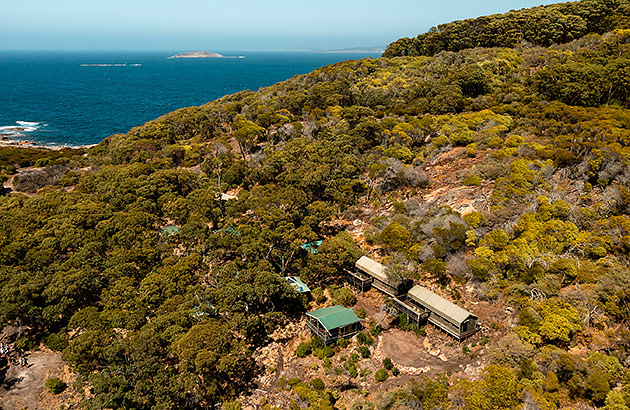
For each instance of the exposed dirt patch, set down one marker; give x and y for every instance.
(23, 386)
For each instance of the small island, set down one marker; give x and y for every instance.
(197, 54)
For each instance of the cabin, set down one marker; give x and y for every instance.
(444, 314)
(380, 280)
(297, 284)
(332, 323)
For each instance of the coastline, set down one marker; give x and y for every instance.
(6, 142)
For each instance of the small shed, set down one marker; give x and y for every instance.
(446, 315)
(333, 323)
(297, 283)
(381, 281)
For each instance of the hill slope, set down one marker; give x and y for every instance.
(540, 26)
(498, 177)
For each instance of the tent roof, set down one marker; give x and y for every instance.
(372, 268)
(438, 304)
(334, 317)
(297, 283)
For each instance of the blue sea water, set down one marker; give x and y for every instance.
(78, 98)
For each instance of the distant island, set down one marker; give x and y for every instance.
(197, 54)
(358, 50)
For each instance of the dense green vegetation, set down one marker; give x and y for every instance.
(540, 26)
(154, 319)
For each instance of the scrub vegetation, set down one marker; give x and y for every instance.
(538, 113)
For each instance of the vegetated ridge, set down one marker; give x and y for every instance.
(498, 177)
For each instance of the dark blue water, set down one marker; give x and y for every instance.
(54, 99)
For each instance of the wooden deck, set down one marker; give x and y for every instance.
(359, 280)
(415, 314)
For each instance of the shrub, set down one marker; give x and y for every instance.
(318, 295)
(434, 266)
(514, 141)
(395, 371)
(381, 375)
(303, 350)
(387, 363)
(351, 367)
(472, 180)
(325, 352)
(395, 236)
(375, 329)
(316, 343)
(360, 312)
(474, 219)
(57, 341)
(318, 384)
(55, 385)
(344, 296)
(343, 342)
(364, 352)
(364, 339)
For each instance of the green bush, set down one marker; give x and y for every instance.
(343, 296)
(316, 343)
(375, 329)
(395, 236)
(434, 266)
(55, 385)
(387, 363)
(57, 341)
(395, 371)
(364, 339)
(472, 180)
(325, 352)
(364, 352)
(381, 375)
(360, 312)
(303, 350)
(318, 295)
(25, 343)
(351, 367)
(343, 342)
(318, 384)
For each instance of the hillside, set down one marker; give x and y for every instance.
(539, 26)
(497, 177)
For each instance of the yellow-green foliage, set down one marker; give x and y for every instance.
(474, 219)
(559, 321)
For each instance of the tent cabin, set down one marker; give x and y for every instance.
(381, 281)
(297, 284)
(444, 314)
(333, 323)
(227, 197)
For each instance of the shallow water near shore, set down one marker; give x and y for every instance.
(79, 98)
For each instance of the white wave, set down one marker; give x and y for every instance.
(111, 65)
(27, 123)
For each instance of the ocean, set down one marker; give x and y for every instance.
(79, 98)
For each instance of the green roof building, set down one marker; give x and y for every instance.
(332, 323)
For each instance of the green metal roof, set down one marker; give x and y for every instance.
(170, 230)
(334, 317)
(297, 283)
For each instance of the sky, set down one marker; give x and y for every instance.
(185, 25)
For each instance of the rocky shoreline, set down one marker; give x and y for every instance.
(13, 143)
